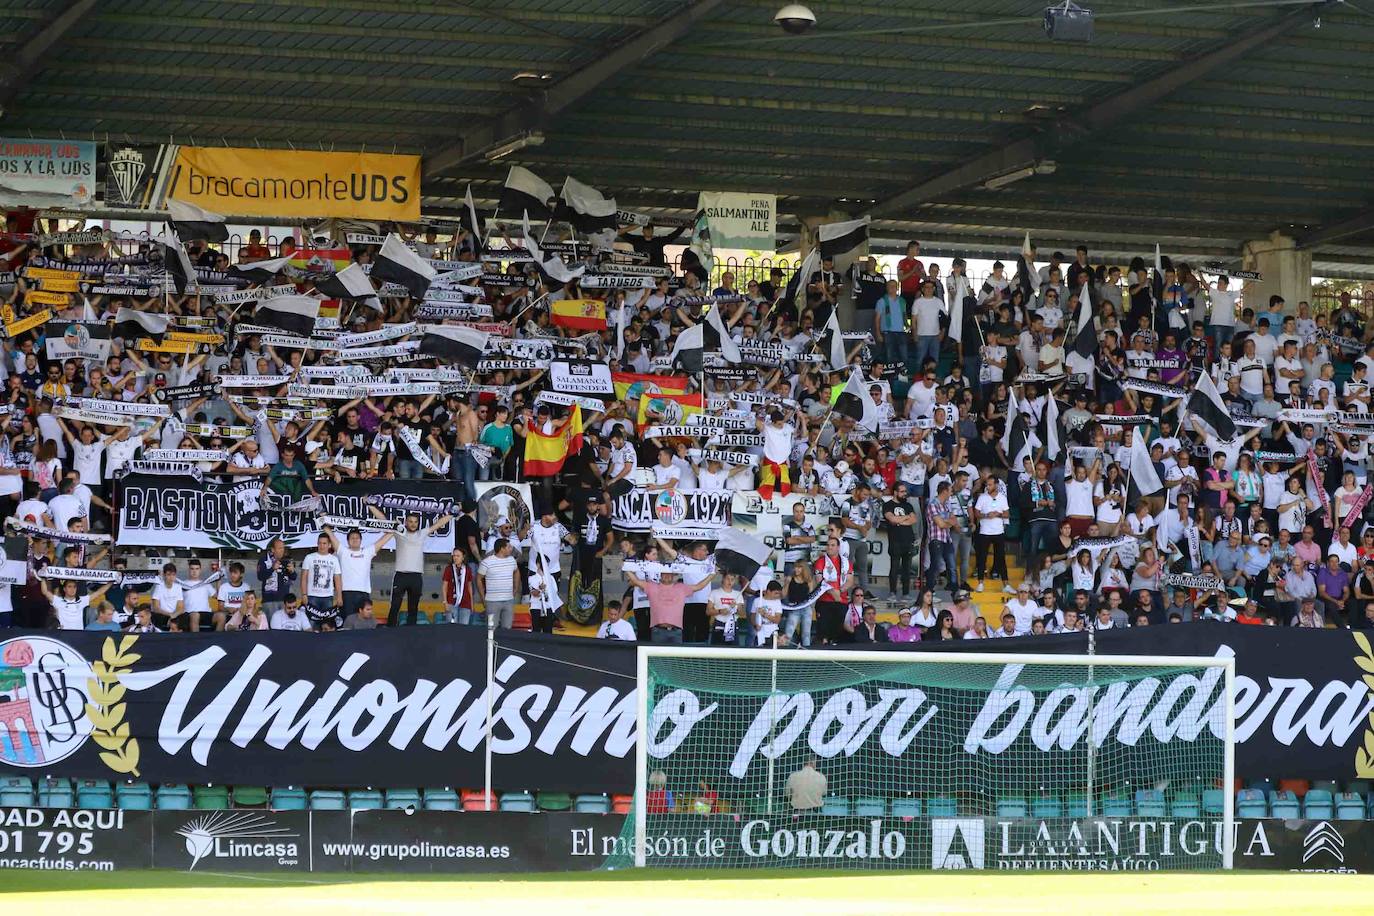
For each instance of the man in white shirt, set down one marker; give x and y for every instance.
(1223, 312)
(1023, 609)
(196, 594)
(991, 511)
(925, 324)
(355, 567)
(291, 617)
(615, 626)
(321, 576)
(168, 598)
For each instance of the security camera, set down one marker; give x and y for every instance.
(795, 19)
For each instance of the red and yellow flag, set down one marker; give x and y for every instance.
(544, 455)
(580, 314)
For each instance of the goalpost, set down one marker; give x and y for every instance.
(916, 760)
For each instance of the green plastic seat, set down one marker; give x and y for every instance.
(555, 801)
(400, 799)
(134, 796)
(592, 804)
(519, 802)
(250, 796)
(288, 798)
(365, 800)
(441, 800)
(173, 797)
(55, 793)
(16, 792)
(94, 793)
(210, 798)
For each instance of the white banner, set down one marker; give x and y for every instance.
(739, 219)
(580, 377)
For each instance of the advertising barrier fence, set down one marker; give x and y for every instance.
(449, 842)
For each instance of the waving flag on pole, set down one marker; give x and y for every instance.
(831, 342)
(740, 553)
(546, 454)
(132, 324)
(1206, 404)
(717, 339)
(474, 223)
(856, 403)
(526, 192)
(586, 208)
(292, 314)
(1084, 341)
(397, 263)
(1013, 411)
(191, 222)
(1143, 478)
(260, 271)
(181, 276)
(349, 283)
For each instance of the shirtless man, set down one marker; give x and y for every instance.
(466, 429)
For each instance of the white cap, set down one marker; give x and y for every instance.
(841, 466)
(908, 449)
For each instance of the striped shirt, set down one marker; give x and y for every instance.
(938, 509)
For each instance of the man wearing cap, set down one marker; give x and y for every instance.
(594, 539)
(1023, 609)
(902, 630)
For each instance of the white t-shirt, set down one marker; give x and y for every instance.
(119, 453)
(731, 603)
(546, 542)
(197, 596)
(71, 612)
(1223, 308)
(925, 315)
(230, 596)
(63, 508)
(165, 597)
(622, 630)
(320, 570)
(1346, 554)
(764, 629)
(1078, 497)
(988, 503)
(1025, 613)
(86, 461)
(357, 568)
(284, 621)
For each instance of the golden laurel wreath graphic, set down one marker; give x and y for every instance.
(1364, 756)
(106, 709)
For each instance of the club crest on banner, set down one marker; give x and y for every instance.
(44, 698)
(126, 167)
(670, 507)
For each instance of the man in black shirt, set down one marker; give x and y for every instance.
(593, 537)
(982, 452)
(467, 534)
(646, 243)
(901, 518)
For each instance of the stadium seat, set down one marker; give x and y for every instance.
(1251, 803)
(836, 805)
(1149, 803)
(1046, 806)
(520, 802)
(1116, 806)
(210, 798)
(1284, 804)
(1185, 804)
(1263, 785)
(1358, 786)
(906, 807)
(1076, 805)
(1349, 807)
(1318, 804)
(400, 799)
(55, 793)
(1011, 807)
(94, 793)
(592, 804)
(16, 792)
(942, 806)
(1213, 802)
(288, 798)
(328, 800)
(365, 800)
(554, 801)
(173, 797)
(868, 806)
(621, 804)
(1326, 785)
(1298, 787)
(134, 796)
(441, 800)
(250, 796)
(477, 800)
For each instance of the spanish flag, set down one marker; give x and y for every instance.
(630, 386)
(664, 409)
(544, 455)
(580, 314)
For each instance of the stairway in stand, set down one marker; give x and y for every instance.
(991, 599)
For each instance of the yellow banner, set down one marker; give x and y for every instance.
(16, 328)
(195, 337)
(60, 286)
(47, 273)
(278, 182)
(42, 298)
(185, 347)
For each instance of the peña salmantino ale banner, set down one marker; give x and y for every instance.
(300, 183)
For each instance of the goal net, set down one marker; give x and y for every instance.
(924, 760)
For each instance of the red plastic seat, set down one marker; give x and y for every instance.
(1298, 787)
(477, 800)
(620, 804)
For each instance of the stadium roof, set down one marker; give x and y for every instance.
(1199, 128)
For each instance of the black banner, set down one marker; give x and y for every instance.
(408, 707)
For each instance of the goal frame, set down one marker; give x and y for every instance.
(646, 653)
